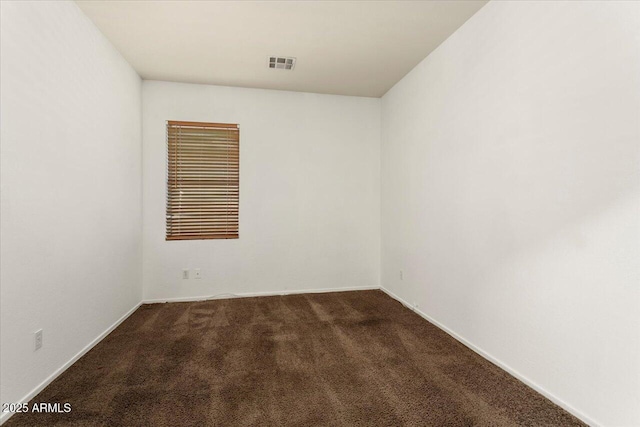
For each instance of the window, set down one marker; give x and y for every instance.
(202, 180)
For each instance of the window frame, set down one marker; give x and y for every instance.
(212, 225)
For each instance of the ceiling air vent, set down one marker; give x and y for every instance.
(282, 63)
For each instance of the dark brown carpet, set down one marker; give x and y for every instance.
(334, 359)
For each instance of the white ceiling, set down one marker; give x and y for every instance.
(342, 47)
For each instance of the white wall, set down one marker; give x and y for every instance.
(309, 192)
(71, 189)
(510, 195)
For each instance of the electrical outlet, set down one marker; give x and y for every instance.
(401, 275)
(38, 339)
(197, 274)
(185, 273)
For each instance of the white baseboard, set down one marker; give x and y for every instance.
(6, 415)
(259, 294)
(573, 411)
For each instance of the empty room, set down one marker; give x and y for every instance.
(320, 213)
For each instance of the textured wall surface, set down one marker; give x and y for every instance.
(309, 192)
(510, 195)
(71, 189)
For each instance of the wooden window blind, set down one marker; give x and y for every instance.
(202, 180)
